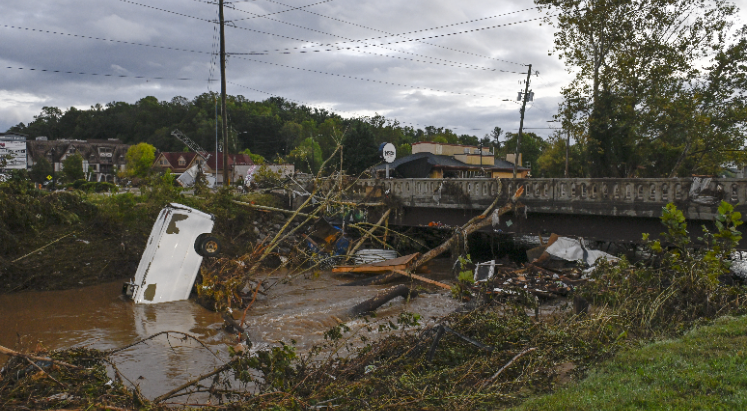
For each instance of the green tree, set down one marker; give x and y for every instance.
(72, 167)
(645, 100)
(404, 150)
(551, 163)
(361, 151)
(40, 170)
(307, 156)
(256, 158)
(532, 146)
(139, 159)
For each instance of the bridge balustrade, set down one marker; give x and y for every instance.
(600, 196)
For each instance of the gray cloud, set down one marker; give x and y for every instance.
(24, 92)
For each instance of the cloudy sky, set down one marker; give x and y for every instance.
(164, 48)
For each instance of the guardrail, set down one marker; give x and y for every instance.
(632, 197)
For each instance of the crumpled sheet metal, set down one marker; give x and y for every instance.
(570, 249)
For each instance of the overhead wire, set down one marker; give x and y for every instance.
(357, 49)
(388, 34)
(453, 63)
(365, 79)
(321, 44)
(98, 74)
(213, 60)
(167, 11)
(103, 39)
(283, 11)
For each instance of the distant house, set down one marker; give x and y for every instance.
(102, 159)
(177, 162)
(12, 151)
(440, 160)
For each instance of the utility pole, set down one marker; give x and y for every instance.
(521, 122)
(215, 101)
(223, 91)
(567, 145)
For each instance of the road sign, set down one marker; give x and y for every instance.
(49, 178)
(389, 153)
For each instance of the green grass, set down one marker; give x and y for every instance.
(706, 369)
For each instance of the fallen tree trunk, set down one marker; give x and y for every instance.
(382, 298)
(473, 225)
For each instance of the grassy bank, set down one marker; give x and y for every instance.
(60, 240)
(706, 369)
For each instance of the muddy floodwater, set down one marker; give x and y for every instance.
(98, 317)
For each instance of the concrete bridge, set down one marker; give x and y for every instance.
(604, 209)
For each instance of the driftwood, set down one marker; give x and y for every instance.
(508, 364)
(423, 279)
(382, 298)
(8, 351)
(473, 225)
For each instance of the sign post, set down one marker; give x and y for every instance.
(389, 154)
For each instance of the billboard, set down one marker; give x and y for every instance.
(13, 155)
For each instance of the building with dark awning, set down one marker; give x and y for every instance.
(463, 162)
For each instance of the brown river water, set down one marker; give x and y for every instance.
(98, 317)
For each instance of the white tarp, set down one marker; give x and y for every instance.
(14, 153)
(250, 175)
(570, 249)
(187, 179)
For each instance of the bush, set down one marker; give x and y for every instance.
(98, 187)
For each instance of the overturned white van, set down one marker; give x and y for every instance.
(168, 268)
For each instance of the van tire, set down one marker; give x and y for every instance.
(207, 246)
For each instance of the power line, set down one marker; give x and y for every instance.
(357, 49)
(321, 44)
(98, 74)
(401, 34)
(167, 11)
(367, 80)
(282, 11)
(388, 34)
(266, 52)
(103, 39)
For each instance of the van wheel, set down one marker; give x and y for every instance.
(207, 246)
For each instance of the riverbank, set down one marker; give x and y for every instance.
(62, 240)
(703, 370)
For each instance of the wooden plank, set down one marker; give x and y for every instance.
(399, 263)
(423, 279)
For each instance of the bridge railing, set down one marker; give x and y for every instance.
(644, 196)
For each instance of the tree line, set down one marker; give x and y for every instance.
(273, 130)
(660, 90)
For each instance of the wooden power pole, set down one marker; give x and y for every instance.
(223, 92)
(521, 122)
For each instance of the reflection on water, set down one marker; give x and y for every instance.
(301, 310)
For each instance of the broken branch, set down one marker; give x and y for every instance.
(421, 278)
(508, 364)
(8, 351)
